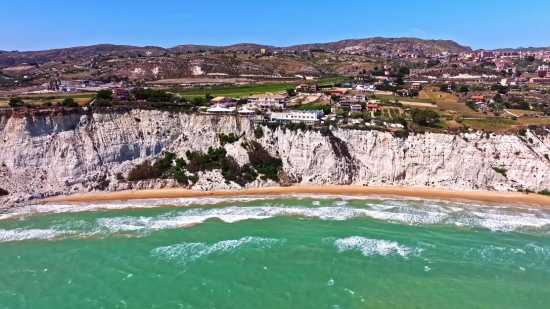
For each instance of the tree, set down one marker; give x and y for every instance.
(498, 98)
(335, 98)
(464, 89)
(424, 117)
(290, 92)
(404, 70)
(69, 102)
(16, 102)
(104, 94)
(530, 58)
(413, 93)
(443, 88)
(524, 105)
(400, 81)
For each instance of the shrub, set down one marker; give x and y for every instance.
(119, 176)
(103, 185)
(144, 171)
(263, 162)
(530, 140)
(180, 177)
(16, 102)
(522, 132)
(165, 163)
(3, 192)
(424, 117)
(199, 162)
(501, 171)
(228, 139)
(231, 171)
(69, 102)
(258, 132)
(545, 192)
(514, 118)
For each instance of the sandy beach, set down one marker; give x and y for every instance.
(485, 196)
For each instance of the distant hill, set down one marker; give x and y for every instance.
(521, 49)
(378, 44)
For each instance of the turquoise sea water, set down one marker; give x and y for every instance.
(276, 252)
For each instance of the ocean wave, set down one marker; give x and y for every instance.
(530, 256)
(190, 252)
(340, 200)
(23, 234)
(372, 247)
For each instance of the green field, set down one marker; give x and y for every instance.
(247, 90)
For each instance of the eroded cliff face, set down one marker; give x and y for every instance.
(48, 155)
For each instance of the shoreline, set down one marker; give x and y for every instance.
(443, 194)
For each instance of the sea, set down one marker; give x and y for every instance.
(294, 251)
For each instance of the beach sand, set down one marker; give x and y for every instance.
(485, 196)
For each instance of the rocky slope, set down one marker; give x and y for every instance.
(67, 152)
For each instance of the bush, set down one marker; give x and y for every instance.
(103, 185)
(3, 192)
(263, 162)
(231, 171)
(501, 171)
(199, 162)
(180, 177)
(165, 163)
(258, 132)
(545, 192)
(522, 132)
(16, 102)
(144, 171)
(228, 139)
(104, 94)
(69, 102)
(424, 117)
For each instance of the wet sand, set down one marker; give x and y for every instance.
(485, 196)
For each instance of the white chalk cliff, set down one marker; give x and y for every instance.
(47, 155)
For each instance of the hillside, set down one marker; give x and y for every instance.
(379, 44)
(372, 45)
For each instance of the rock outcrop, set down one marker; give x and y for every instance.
(45, 155)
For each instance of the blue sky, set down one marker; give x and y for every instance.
(39, 24)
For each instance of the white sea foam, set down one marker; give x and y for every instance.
(22, 234)
(189, 252)
(371, 247)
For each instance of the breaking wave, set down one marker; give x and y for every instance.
(189, 252)
(372, 247)
(23, 234)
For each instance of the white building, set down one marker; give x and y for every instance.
(218, 110)
(266, 102)
(308, 117)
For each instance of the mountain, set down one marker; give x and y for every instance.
(521, 49)
(376, 45)
(388, 44)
